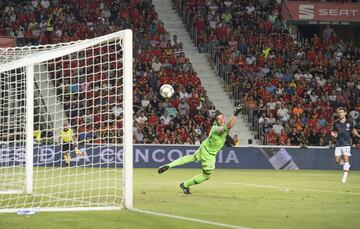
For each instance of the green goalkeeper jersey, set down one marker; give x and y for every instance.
(215, 141)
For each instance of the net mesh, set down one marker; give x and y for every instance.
(78, 127)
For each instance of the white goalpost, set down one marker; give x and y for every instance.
(66, 119)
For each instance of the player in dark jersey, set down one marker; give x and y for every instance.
(342, 130)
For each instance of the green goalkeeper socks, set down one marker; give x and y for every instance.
(182, 160)
(196, 180)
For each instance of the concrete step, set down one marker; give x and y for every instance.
(209, 78)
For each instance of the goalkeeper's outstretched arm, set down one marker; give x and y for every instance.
(232, 121)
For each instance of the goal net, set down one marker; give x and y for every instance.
(66, 125)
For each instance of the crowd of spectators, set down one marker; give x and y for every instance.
(92, 95)
(291, 89)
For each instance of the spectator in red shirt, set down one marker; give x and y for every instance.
(283, 138)
(153, 119)
(199, 118)
(272, 138)
(194, 103)
(194, 79)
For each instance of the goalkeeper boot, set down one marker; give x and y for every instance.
(163, 168)
(186, 190)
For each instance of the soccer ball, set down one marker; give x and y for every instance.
(166, 91)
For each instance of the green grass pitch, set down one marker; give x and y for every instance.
(247, 198)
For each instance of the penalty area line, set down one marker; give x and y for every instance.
(187, 218)
(286, 189)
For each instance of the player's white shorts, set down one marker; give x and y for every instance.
(343, 150)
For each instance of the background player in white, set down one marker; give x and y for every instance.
(342, 130)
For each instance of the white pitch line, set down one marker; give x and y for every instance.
(188, 219)
(288, 189)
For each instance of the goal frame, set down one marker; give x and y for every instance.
(28, 62)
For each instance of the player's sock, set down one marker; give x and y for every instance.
(346, 168)
(182, 160)
(66, 158)
(344, 178)
(196, 180)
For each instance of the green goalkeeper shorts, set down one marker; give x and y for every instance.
(207, 160)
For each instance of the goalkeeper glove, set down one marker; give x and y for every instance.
(238, 109)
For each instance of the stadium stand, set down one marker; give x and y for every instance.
(158, 59)
(290, 88)
(284, 84)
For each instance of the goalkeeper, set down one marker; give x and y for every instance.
(207, 151)
(68, 143)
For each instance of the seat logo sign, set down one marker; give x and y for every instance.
(328, 12)
(306, 11)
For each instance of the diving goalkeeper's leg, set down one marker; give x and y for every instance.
(182, 160)
(208, 165)
(198, 179)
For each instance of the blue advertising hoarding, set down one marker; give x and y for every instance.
(152, 156)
